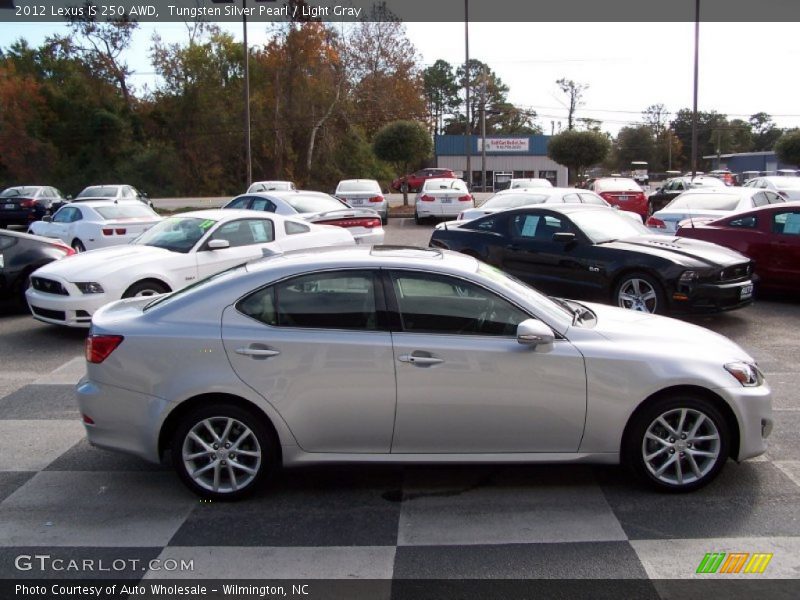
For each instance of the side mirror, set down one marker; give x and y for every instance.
(533, 332)
(564, 237)
(659, 190)
(47, 219)
(218, 244)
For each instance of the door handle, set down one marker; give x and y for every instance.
(420, 361)
(257, 352)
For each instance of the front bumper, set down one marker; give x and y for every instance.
(124, 420)
(712, 297)
(753, 409)
(75, 310)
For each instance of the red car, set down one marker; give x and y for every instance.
(415, 181)
(622, 192)
(770, 235)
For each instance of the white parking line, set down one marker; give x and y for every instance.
(67, 374)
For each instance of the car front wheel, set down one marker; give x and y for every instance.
(639, 291)
(678, 444)
(145, 288)
(223, 452)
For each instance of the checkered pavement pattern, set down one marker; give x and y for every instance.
(61, 496)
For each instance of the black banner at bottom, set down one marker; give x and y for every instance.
(403, 589)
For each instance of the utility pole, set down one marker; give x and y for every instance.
(696, 74)
(483, 130)
(247, 97)
(468, 136)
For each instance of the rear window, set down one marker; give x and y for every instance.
(707, 182)
(616, 185)
(124, 212)
(98, 190)
(433, 185)
(514, 200)
(358, 186)
(316, 203)
(706, 201)
(19, 191)
(787, 183)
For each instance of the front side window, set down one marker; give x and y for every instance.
(339, 300)
(241, 203)
(746, 222)
(64, 215)
(536, 226)
(245, 232)
(432, 303)
(263, 205)
(786, 223)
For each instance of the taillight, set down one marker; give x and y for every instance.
(100, 347)
(606, 196)
(120, 231)
(376, 199)
(368, 222)
(466, 198)
(69, 251)
(656, 223)
(108, 232)
(27, 203)
(426, 198)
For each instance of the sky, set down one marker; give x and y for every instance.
(744, 67)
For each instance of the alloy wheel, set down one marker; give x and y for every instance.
(638, 294)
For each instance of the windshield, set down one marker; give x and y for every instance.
(312, 204)
(358, 186)
(266, 186)
(19, 191)
(125, 212)
(529, 183)
(97, 191)
(514, 200)
(177, 234)
(787, 183)
(167, 298)
(511, 283)
(607, 225)
(705, 201)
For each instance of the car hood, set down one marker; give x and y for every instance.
(680, 250)
(633, 329)
(96, 264)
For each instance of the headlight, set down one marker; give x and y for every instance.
(688, 277)
(90, 287)
(745, 373)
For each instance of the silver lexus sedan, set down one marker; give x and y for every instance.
(391, 354)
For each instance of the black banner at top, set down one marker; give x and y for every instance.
(531, 11)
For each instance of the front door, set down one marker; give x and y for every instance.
(464, 383)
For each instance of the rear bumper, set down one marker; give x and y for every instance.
(432, 209)
(124, 420)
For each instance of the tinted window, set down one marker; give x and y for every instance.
(6, 241)
(19, 191)
(118, 211)
(64, 215)
(536, 226)
(344, 300)
(786, 223)
(748, 222)
(239, 203)
(439, 304)
(292, 228)
(99, 191)
(358, 186)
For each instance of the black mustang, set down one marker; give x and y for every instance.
(595, 252)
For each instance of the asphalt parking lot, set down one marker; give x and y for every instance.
(60, 496)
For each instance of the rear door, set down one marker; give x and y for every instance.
(317, 348)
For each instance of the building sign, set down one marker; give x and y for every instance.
(504, 144)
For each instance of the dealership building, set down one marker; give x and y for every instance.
(520, 156)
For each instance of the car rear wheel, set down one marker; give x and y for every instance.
(223, 452)
(641, 292)
(145, 288)
(678, 444)
(417, 219)
(78, 246)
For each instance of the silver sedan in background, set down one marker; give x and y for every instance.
(397, 355)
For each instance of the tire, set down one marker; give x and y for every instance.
(78, 246)
(639, 291)
(239, 469)
(24, 284)
(148, 287)
(666, 463)
(417, 219)
(385, 220)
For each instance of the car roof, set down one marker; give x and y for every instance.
(92, 202)
(370, 257)
(560, 208)
(230, 214)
